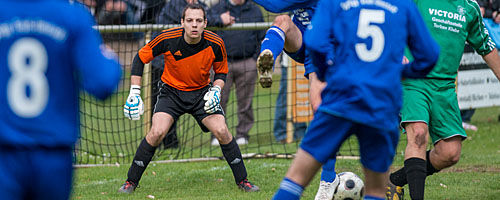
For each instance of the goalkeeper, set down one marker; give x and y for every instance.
(189, 52)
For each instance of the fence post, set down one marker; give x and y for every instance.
(146, 82)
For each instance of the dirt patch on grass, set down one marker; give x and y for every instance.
(474, 168)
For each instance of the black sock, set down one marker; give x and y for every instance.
(399, 177)
(416, 172)
(430, 169)
(233, 157)
(141, 160)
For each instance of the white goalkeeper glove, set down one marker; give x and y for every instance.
(134, 107)
(212, 98)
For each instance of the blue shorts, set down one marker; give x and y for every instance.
(326, 134)
(36, 173)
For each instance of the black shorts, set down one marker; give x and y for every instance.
(177, 102)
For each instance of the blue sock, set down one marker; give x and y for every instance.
(328, 174)
(274, 41)
(288, 190)
(368, 197)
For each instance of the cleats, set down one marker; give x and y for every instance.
(246, 186)
(241, 141)
(326, 190)
(214, 142)
(394, 192)
(128, 187)
(265, 63)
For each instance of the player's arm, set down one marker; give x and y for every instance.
(423, 47)
(212, 97)
(279, 6)
(97, 65)
(134, 107)
(319, 38)
(493, 61)
(315, 88)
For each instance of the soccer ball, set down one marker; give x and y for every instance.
(351, 187)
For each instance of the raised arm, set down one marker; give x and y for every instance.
(279, 6)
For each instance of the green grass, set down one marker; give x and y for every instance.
(476, 176)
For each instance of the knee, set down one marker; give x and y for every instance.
(155, 135)
(281, 20)
(419, 134)
(222, 134)
(450, 157)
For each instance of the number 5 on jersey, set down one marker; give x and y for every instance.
(365, 30)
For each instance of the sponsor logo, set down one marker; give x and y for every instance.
(235, 161)
(461, 9)
(447, 14)
(139, 163)
(178, 53)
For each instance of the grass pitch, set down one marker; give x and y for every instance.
(476, 176)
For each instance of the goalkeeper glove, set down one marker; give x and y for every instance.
(212, 98)
(134, 107)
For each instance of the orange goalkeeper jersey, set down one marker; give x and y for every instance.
(187, 66)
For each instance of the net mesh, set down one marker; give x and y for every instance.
(107, 137)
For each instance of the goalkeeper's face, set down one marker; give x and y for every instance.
(194, 23)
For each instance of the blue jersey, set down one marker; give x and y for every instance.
(279, 6)
(44, 47)
(369, 37)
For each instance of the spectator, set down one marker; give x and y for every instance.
(280, 120)
(120, 12)
(152, 10)
(242, 50)
(170, 14)
(490, 9)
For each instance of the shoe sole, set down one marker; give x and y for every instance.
(265, 63)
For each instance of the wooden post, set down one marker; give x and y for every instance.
(289, 121)
(146, 90)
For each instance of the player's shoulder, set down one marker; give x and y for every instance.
(472, 3)
(213, 37)
(171, 33)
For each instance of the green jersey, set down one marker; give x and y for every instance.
(452, 23)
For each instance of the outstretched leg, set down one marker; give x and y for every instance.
(283, 34)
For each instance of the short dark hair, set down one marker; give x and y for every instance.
(194, 6)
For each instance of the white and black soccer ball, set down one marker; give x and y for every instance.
(351, 187)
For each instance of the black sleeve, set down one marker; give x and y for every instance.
(220, 76)
(137, 66)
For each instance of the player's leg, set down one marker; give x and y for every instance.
(414, 171)
(318, 146)
(328, 182)
(447, 138)
(377, 150)
(246, 73)
(283, 34)
(226, 91)
(14, 173)
(415, 118)
(298, 176)
(55, 166)
(374, 183)
(145, 152)
(446, 153)
(216, 124)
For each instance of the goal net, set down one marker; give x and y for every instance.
(108, 138)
